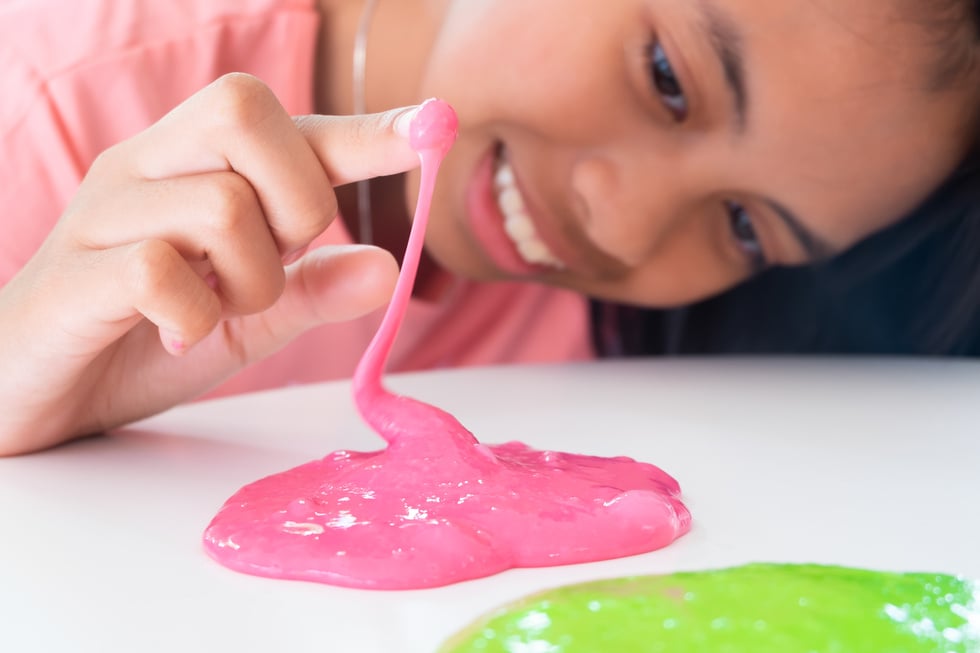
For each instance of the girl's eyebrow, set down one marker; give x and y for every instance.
(816, 248)
(726, 41)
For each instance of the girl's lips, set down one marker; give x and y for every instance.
(487, 221)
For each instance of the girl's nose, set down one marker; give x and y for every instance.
(624, 212)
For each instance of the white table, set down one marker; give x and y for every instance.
(871, 463)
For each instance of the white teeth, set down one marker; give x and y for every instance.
(510, 200)
(519, 228)
(504, 175)
(517, 224)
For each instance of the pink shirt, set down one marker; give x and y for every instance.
(77, 77)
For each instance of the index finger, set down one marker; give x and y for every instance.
(236, 124)
(351, 148)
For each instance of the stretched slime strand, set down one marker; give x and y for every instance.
(436, 506)
(432, 133)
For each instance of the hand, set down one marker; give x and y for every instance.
(168, 271)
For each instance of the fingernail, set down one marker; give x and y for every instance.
(403, 123)
(174, 344)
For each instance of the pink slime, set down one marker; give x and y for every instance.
(436, 506)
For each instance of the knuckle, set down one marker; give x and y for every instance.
(317, 221)
(240, 101)
(359, 131)
(148, 267)
(230, 201)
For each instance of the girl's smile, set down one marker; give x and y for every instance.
(517, 233)
(500, 219)
(663, 151)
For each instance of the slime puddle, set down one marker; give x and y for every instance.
(436, 506)
(759, 608)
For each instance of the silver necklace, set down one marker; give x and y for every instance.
(359, 65)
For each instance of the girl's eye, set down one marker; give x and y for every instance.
(665, 82)
(744, 234)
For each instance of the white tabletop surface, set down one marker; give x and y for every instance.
(872, 463)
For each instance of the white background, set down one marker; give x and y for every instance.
(872, 463)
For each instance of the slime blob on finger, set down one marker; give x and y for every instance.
(436, 506)
(761, 608)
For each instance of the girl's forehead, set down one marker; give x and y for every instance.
(938, 39)
(848, 107)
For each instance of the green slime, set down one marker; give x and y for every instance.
(749, 609)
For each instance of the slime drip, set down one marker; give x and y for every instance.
(436, 506)
(757, 608)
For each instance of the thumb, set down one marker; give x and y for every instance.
(351, 148)
(329, 284)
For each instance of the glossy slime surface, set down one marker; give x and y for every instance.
(750, 609)
(436, 506)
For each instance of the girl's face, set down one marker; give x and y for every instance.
(659, 151)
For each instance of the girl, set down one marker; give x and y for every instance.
(651, 153)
